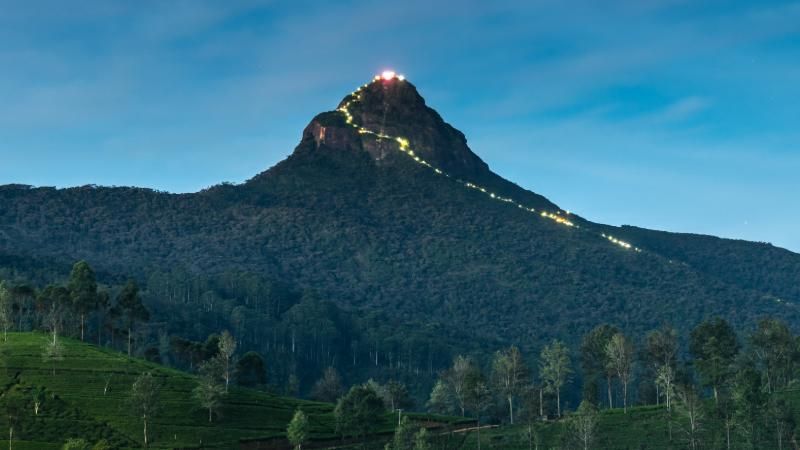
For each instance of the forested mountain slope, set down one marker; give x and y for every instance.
(383, 208)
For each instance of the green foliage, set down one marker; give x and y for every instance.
(441, 399)
(749, 401)
(102, 445)
(82, 287)
(75, 444)
(582, 426)
(297, 431)
(209, 393)
(422, 440)
(510, 376)
(251, 370)
(77, 405)
(329, 387)
(594, 360)
(714, 346)
(403, 436)
(459, 378)
(53, 351)
(145, 400)
(776, 352)
(131, 309)
(555, 368)
(358, 412)
(619, 360)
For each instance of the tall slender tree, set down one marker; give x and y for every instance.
(620, 359)
(510, 376)
(209, 391)
(582, 426)
(227, 350)
(661, 351)
(6, 307)
(594, 362)
(690, 406)
(458, 378)
(478, 397)
(297, 431)
(714, 346)
(146, 400)
(131, 309)
(82, 287)
(103, 304)
(749, 405)
(555, 369)
(776, 352)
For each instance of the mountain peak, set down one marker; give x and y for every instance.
(388, 116)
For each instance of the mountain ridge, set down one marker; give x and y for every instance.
(358, 218)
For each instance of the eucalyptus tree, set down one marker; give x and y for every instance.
(458, 378)
(510, 376)
(594, 362)
(82, 286)
(131, 309)
(555, 369)
(619, 352)
(714, 346)
(227, 350)
(775, 351)
(145, 400)
(297, 431)
(661, 352)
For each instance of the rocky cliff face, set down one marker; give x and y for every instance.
(391, 109)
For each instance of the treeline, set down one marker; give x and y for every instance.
(725, 390)
(174, 318)
(80, 308)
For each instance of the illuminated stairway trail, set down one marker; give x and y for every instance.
(404, 146)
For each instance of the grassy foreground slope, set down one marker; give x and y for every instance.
(641, 428)
(75, 404)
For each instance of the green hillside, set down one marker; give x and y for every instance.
(75, 404)
(642, 428)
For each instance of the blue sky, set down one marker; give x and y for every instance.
(669, 114)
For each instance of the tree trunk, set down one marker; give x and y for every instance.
(625, 396)
(658, 395)
(511, 409)
(209, 415)
(129, 341)
(610, 398)
(479, 432)
(558, 402)
(541, 402)
(530, 437)
(728, 434)
(145, 433)
(83, 320)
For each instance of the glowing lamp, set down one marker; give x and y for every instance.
(388, 75)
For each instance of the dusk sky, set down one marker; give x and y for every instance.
(667, 114)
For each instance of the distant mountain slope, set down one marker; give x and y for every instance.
(402, 227)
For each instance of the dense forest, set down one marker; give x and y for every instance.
(718, 387)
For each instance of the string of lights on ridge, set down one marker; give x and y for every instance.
(404, 146)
